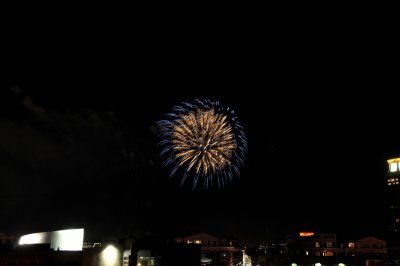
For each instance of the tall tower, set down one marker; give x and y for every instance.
(393, 199)
(393, 192)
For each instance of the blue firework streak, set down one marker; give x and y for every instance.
(205, 140)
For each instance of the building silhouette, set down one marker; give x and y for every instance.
(155, 250)
(220, 250)
(6, 239)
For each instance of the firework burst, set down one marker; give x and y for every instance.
(205, 141)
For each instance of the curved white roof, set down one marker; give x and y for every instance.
(70, 239)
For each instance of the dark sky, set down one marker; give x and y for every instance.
(77, 128)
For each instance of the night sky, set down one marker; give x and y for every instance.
(78, 143)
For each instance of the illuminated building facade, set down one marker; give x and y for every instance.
(311, 244)
(310, 248)
(67, 240)
(393, 198)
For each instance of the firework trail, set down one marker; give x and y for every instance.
(205, 140)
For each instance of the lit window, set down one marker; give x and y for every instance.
(393, 167)
(328, 244)
(197, 241)
(393, 181)
(351, 244)
(329, 253)
(317, 245)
